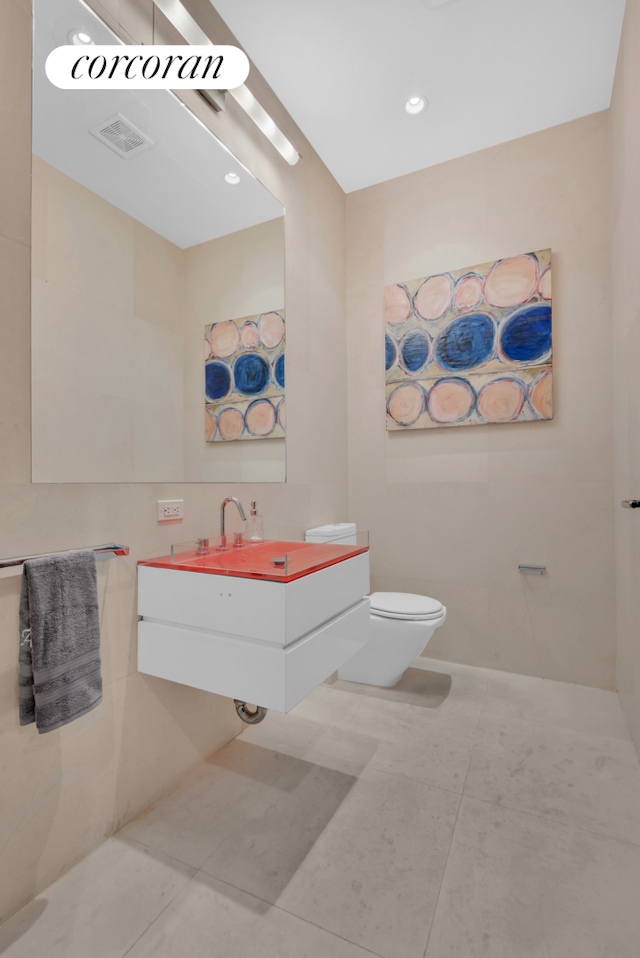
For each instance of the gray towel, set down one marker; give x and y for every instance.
(60, 676)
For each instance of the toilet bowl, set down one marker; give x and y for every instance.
(401, 624)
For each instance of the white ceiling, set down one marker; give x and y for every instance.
(176, 187)
(493, 70)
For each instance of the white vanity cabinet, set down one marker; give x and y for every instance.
(268, 641)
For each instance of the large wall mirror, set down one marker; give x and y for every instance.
(144, 255)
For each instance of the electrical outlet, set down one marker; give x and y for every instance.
(170, 510)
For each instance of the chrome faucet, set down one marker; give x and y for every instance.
(223, 538)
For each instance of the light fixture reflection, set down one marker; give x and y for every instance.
(79, 38)
(416, 104)
(181, 19)
(232, 179)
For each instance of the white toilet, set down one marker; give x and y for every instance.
(401, 624)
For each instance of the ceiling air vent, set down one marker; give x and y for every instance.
(121, 136)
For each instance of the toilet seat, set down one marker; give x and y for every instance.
(405, 605)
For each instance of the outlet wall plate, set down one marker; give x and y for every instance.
(170, 510)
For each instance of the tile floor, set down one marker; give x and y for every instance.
(465, 814)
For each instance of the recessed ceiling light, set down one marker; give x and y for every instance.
(416, 104)
(79, 38)
(232, 179)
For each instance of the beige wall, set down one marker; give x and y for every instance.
(626, 334)
(107, 340)
(64, 792)
(453, 511)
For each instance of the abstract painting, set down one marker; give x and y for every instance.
(470, 346)
(244, 378)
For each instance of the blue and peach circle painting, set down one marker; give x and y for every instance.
(245, 377)
(471, 346)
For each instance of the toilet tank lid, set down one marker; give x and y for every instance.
(404, 603)
(331, 531)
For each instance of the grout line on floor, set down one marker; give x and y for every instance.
(426, 710)
(474, 743)
(446, 865)
(151, 923)
(554, 821)
(319, 756)
(557, 725)
(444, 872)
(491, 672)
(416, 781)
(151, 848)
(484, 696)
(156, 852)
(292, 914)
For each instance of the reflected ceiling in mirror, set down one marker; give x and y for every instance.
(139, 244)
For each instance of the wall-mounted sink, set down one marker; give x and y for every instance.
(279, 560)
(264, 623)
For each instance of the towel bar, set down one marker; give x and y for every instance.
(13, 566)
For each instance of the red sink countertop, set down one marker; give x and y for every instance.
(253, 560)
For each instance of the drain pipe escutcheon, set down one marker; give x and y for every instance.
(251, 714)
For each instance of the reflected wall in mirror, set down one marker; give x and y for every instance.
(138, 244)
